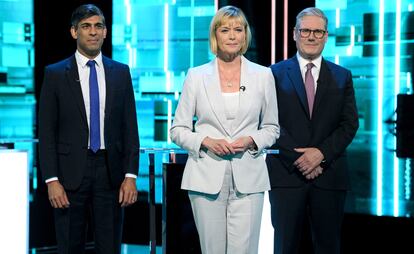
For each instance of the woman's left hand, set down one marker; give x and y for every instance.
(243, 143)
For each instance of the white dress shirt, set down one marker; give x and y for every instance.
(315, 70)
(84, 71)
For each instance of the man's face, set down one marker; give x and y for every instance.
(310, 47)
(89, 34)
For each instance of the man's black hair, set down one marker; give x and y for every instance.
(85, 11)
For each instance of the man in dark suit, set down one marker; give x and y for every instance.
(318, 120)
(88, 139)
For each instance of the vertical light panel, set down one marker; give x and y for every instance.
(337, 18)
(285, 29)
(168, 81)
(130, 53)
(14, 195)
(192, 35)
(169, 120)
(352, 41)
(273, 33)
(166, 50)
(34, 178)
(134, 57)
(380, 87)
(396, 193)
(128, 12)
(166, 27)
(127, 5)
(407, 179)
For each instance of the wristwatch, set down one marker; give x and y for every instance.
(323, 164)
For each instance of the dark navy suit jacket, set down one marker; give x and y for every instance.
(333, 125)
(63, 127)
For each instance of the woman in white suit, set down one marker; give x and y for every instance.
(234, 102)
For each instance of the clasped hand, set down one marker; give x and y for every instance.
(309, 162)
(222, 147)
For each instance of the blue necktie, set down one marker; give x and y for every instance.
(94, 130)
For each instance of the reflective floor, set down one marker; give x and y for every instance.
(125, 249)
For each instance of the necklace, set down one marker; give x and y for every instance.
(228, 81)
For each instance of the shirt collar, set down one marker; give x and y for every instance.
(83, 60)
(303, 62)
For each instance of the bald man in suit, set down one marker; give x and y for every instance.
(318, 120)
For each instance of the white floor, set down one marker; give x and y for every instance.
(266, 231)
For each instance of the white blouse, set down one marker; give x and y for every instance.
(231, 104)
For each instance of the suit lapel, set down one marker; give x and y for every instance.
(295, 77)
(324, 80)
(247, 80)
(72, 76)
(109, 85)
(212, 86)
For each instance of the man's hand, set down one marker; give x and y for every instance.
(309, 160)
(315, 173)
(242, 144)
(128, 193)
(218, 146)
(57, 195)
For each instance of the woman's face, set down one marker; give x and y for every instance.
(231, 37)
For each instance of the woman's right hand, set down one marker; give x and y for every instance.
(218, 146)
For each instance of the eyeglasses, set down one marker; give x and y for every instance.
(317, 33)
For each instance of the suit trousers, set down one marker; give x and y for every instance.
(94, 204)
(291, 206)
(227, 222)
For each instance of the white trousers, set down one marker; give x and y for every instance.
(228, 222)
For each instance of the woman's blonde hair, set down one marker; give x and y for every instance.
(223, 15)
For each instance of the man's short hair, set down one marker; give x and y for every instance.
(311, 11)
(85, 11)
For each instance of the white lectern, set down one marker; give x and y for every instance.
(14, 198)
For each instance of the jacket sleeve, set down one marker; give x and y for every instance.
(130, 132)
(269, 129)
(335, 144)
(286, 144)
(182, 131)
(48, 127)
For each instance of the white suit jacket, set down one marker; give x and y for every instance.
(257, 117)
